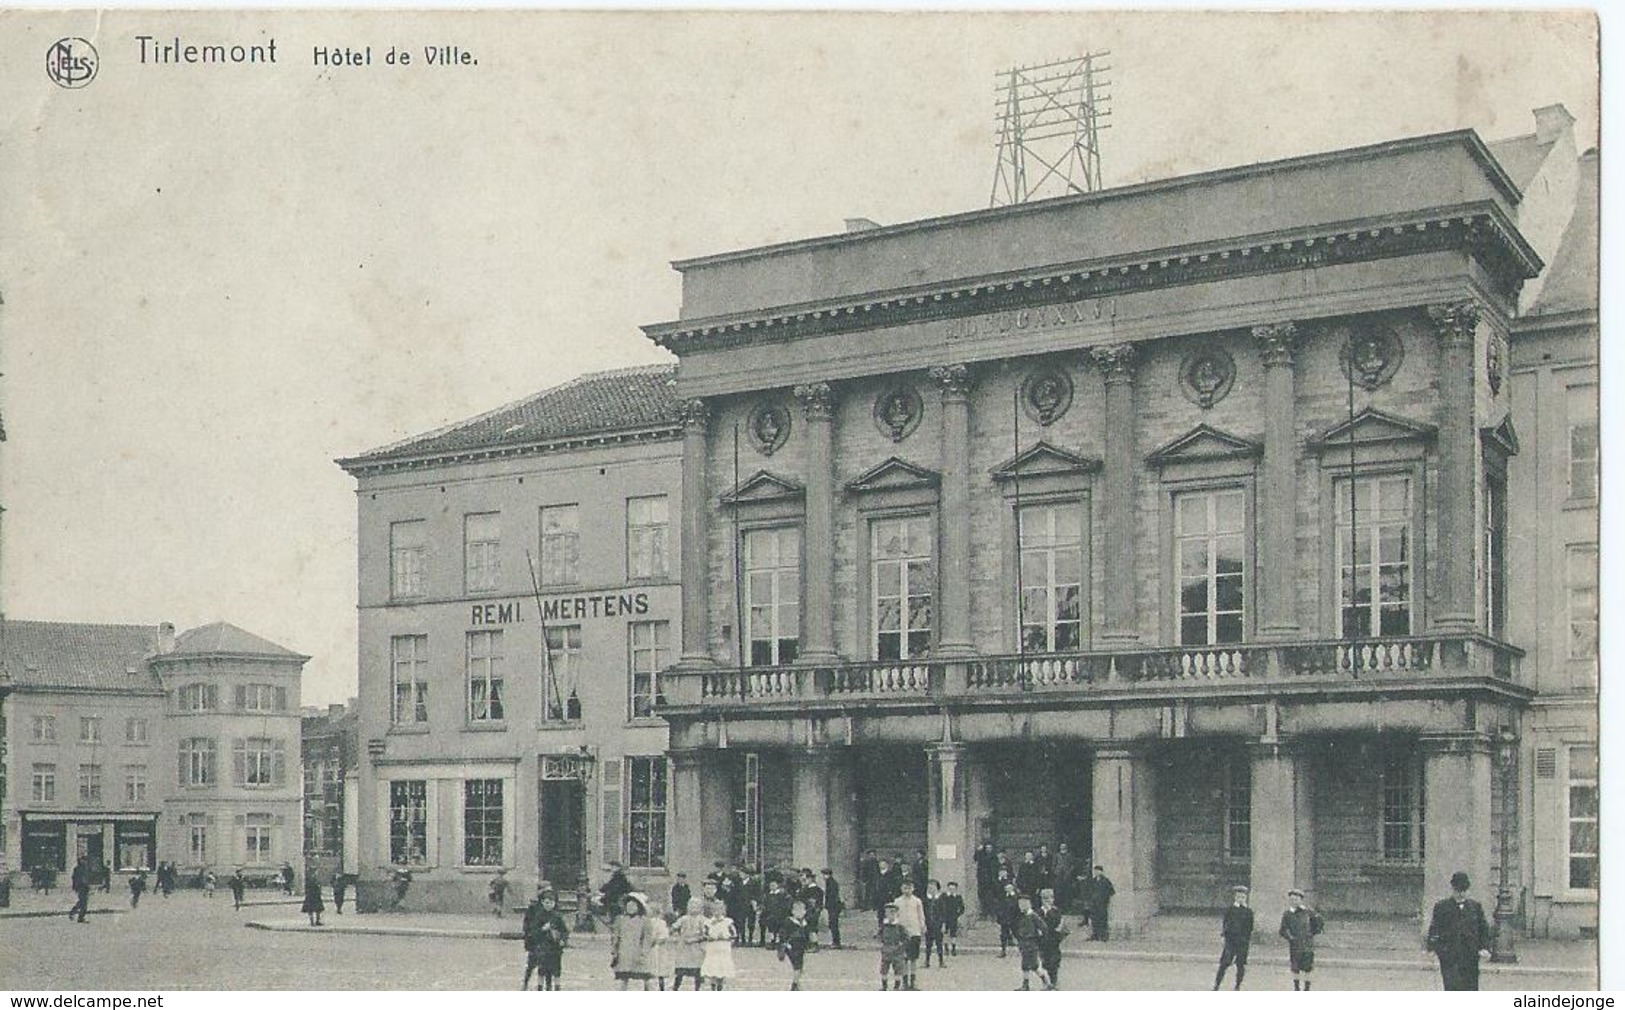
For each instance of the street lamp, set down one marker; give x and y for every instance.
(1506, 753)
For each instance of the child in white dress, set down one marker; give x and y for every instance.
(720, 933)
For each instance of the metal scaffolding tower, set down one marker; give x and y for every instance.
(1049, 121)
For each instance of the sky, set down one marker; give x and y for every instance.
(215, 280)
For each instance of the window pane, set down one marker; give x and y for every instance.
(1582, 803)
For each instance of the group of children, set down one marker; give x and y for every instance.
(1300, 925)
(911, 924)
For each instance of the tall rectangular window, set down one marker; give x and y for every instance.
(1210, 558)
(44, 729)
(1581, 583)
(648, 652)
(482, 561)
(135, 783)
(409, 822)
(1583, 439)
(1495, 550)
(197, 835)
(408, 550)
(44, 784)
(1051, 577)
(902, 583)
(258, 762)
(257, 838)
(1238, 808)
(561, 545)
(197, 762)
(646, 812)
(261, 698)
(90, 783)
(561, 700)
(1374, 557)
(773, 595)
(482, 822)
(90, 729)
(409, 678)
(485, 676)
(646, 522)
(1584, 836)
(135, 731)
(1404, 809)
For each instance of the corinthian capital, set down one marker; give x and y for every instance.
(1116, 362)
(817, 400)
(1277, 343)
(1455, 322)
(694, 414)
(954, 380)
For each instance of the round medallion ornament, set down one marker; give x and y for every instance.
(1206, 375)
(769, 426)
(897, 412)
(1371, 355)
(1046, 395)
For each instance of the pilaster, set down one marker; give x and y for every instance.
(1125, 833)
(818, 611)
(1456, 324)
(694, 550)
(1282, 832)
(1117, 363)
(1458, 770)
(1277, 547)
(951, 830)
(954, 637)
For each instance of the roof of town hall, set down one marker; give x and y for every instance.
(48, 655)
(639, 400)
(222, 639)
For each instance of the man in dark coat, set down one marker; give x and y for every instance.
(1458, 933)
(81, 889)
(987, 875)
(1100, 901)
(1237, 931)
(812, 896)
(868, 879)
(920, 872)
(1060, 876)
(1029, 876)
(614, 890)
(833, 906)
(888, 885)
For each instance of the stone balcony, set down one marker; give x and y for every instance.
(1378, 666)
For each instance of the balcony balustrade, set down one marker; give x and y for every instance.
(1378, 661)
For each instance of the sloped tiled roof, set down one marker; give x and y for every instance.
(52, 654)
(1521, 157)
(1572, 283)
(626, 399)
(221, 638)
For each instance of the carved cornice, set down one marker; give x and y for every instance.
(694, 415)
(1277, 343)
(817, 400)
(1455, 322)
(953, 380)
(1116, 362)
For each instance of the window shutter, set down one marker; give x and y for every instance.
(278, 766)
(239, 763)
(182, 778)
(242, 697)
(212, 692)
(612, 812)
(281, 699)
(1546, 762)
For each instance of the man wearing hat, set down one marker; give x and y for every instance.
(1237, 931)
(1100, 891)
(1458, 933)
(1299, 926)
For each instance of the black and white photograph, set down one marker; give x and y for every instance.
(800, 501)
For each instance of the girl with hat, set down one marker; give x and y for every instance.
(632, 943)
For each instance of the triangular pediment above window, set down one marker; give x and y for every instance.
(762, 486)
(894, 475)
(1044, 460)
(1373, 427)
(1502, 438)
(1203, 443)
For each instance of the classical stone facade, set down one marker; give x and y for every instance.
(1169, 521)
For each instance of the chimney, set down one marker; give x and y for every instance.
(857, 224)
(335, 710)
(1551, 122)
(166, 638)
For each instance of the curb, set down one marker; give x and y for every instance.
(52, 915)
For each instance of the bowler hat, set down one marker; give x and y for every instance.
(1460, 881)
(1295, 891)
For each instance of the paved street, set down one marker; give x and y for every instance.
(188, 942)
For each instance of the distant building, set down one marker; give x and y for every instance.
(481, 751)
(134, 746)
(329, 745)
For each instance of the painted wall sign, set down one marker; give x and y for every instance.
(562, 608)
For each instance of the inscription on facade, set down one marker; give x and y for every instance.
(1040, 318)
(562, 608)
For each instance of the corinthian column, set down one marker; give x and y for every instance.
(955, 382)
(818, 582)
(695, 547)
(1117, 363)
(1278, 539)
(1456, 324)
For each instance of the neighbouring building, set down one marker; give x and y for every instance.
(136, 746)
(1180, 521)
(329, 743)
(552, 520)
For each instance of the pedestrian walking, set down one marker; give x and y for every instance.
(1055, 932)
(833, 907)
(497, 891)
(1236, 929)
(341, 882)
(1299, 927)
(717, 965)
(893, 948)
(208, 883)
(1100, 904)
(775, 911)
(911, 915)
(1029, 935)
(812, 896)
(238, 885)
(796, 938)
(631, 944)
(1459, 934)
(138, 885)
(545, 934)
(286, 873)
(934, 924)
(953, 906)
(312, 905)
(80, 882)
(688, 945)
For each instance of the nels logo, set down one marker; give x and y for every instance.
(71, 63)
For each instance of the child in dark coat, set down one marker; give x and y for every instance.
(545, 934)
(953, 907)
(313, 906)
(934, 923)
(893, 948)
(795, 937)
